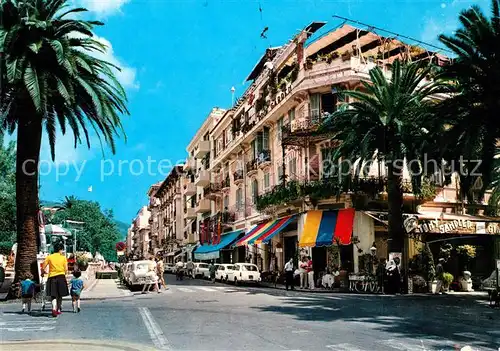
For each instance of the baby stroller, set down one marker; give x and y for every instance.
(41, 296)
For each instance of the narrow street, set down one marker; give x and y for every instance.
(197, 315)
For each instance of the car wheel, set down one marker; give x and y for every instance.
(235, 281)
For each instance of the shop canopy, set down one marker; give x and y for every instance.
(211, 252)
(321, 228)
(264, 232)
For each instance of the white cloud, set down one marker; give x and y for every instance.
(127, 76)
(103, 7)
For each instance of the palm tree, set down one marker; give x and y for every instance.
(475, 109)
(388, 120)
(52, 80)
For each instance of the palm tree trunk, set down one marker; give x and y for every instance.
(395, 205)
(29, 137)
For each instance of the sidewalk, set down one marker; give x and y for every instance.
(104, 289)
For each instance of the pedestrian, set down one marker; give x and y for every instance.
(76, 287)
(303, 273)
(160, 271)
(27, 290)
(57, 286)
(310, 272)
(179, 269)
(289, 274)
(2, 274)
(439, 275)
(212, 269)
(380, 272)
(152, 276)
(190, 269)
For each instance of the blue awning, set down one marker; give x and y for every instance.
(211, 252)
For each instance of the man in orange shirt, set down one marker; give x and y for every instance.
(57, 287)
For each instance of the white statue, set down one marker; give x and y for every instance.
(466, 281)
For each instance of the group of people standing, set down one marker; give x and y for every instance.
(155, 272)
(305, 271)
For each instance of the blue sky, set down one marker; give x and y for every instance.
(181, 58)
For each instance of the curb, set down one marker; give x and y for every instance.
(62, 344)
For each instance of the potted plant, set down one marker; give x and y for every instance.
(82, 261)
(447, 280)
(430, 268)
(308, 64)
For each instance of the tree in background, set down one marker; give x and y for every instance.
(7, 195)
(475, 108)
(52, 80)
(99, 233)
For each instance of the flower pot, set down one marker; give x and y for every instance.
(432, 286)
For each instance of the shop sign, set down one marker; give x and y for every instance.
(493, 228)
(459, 226)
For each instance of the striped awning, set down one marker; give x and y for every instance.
(264, 232)
(321, 228)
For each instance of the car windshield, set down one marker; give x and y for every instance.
(221, 268)
(248, 267)
(142, 267)
(203, 265)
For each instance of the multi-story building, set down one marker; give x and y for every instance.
(170, 213)
(270, 169)
(157, 235)
(141, 238)
(130, 240)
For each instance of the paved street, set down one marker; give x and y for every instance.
(196, 315)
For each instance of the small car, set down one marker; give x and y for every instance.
(140, 273)
(169, 268)
(244, 273)
(201, 270)
(221, 272)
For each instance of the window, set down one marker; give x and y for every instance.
(291, 116)
(280, 128)
(254, 149)
(249, 267)
(267, 182)
(315, 105)
(292, 167)
(265, 139)
(226, 202)
(239, 198)
(255, 190)
(280, 175)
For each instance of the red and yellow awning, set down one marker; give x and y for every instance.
(322, 228)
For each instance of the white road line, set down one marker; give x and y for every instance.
(27, 323)
(401, 345)
(343, 347)
(220, 287)
(186, 290)
(154, 330)
(205, 289)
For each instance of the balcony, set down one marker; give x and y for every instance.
(226, 184)
(202, 149)
(190, 164)
(251, 167)
(212, 191)
(202, 179)
(264, 158)
(189, 189)
(238, 177)
(203, 206)
(190, 213)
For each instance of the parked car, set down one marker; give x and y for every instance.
(126, 271)
(244, 273)
(221, 272)
(201, 270)
(139, 273)
(169, 268)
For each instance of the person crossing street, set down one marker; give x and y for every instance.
(289, 274)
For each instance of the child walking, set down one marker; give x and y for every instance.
(27, 290)
(76, 287)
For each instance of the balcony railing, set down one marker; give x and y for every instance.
(202, 149)
(212, 190)
(251, 166)
(238, 176)
(264, 157)
(226, 183)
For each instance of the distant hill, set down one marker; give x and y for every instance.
(123, 228)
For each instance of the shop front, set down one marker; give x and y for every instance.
(265, 241)
(327, 237)
(217, 251)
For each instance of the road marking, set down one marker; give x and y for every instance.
(343, 347)
(154, 330)
(24, 329)
(185, 290)
(220, 287)
(205, 289)
(27, 323)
